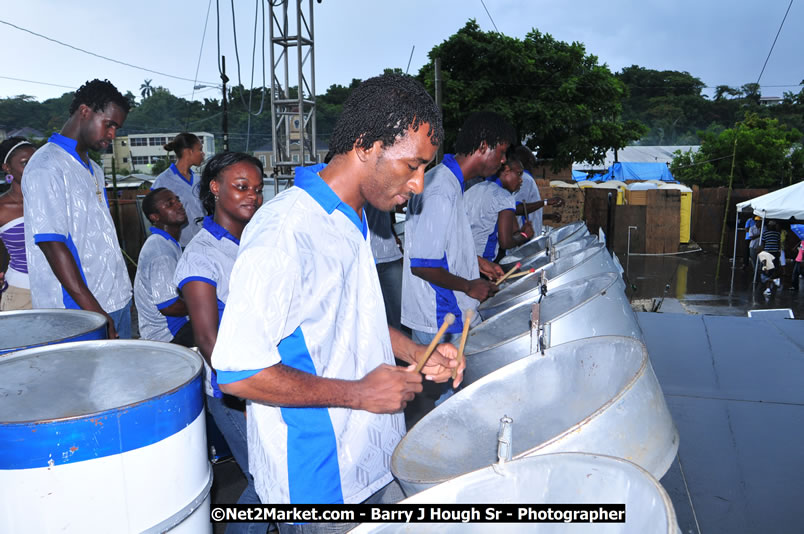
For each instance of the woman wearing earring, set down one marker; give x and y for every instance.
(180, 179)
(16, 294)
(231, 192)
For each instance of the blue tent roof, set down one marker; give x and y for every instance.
(579, 176)
(637, 171)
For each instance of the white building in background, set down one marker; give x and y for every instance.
(138, 152)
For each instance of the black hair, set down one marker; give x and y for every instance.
(9, 143)
(482, 126)
(382, 109)
(182, 142)
(97, 95)
(149, 202)
(522, 154)
(214, 167)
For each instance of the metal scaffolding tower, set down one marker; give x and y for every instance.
(292, 115)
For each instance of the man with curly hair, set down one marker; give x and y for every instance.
(305, 337)
(74, 259)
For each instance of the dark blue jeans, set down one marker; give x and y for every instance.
(232, 424)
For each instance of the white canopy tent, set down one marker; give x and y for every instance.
(785, 203)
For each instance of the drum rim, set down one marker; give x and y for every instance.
(601, 292)
(34, 352)
(50, 311)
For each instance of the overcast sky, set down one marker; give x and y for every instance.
(722, 42)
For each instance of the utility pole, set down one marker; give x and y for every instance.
(225, 124)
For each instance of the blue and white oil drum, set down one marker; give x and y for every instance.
(103, 436)
(25, 329)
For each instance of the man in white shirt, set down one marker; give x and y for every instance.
(74, 258)
(305, 337)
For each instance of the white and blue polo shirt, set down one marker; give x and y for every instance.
(209, 258)
(62, 204)
(187, 189)
(484, 202)
(383, 242)
(154, 288)
(438, 234)
(305, 293)
(529, 192)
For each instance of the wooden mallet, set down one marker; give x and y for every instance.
(509, 273)
(448, 320)
(523, 273)
(467, 318)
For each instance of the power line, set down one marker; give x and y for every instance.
(40, 83)
(94, 54)
(489, 14)
(774, 41)
(198, 65)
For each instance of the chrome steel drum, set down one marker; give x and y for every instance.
(561, 478)
(545, 256)
(24, 329)
(595, 306)
(104, 436)
(569, 232)
(597, 395)
(567, 268)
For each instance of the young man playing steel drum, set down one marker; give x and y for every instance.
(305, 338)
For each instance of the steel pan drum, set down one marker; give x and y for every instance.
(104, 436)
(597, 395)
(569, 232)
(568, 268)
(24, 329)
(586, 308)
(570, 477)
(545, 256)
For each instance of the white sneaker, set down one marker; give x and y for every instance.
(778, 282)
(767, 292)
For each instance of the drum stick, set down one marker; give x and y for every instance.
(467, 318)
(509, 273)
(523, 273)
(448, 320)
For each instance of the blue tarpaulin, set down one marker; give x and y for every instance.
(579, 176)
(637, 171)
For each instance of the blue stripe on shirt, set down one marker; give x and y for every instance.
(313, 470)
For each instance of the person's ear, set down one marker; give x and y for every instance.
(214, 187)
(364, 154)
(84, 111)
(154, 218)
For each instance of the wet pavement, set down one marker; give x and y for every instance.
(688, 284)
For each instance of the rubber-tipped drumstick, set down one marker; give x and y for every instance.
(448, 320)
(509, 273)
(523, 273)
(467, 318)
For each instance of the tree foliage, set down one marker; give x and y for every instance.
(559, 99)
(766, 154)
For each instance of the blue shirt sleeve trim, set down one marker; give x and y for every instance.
(197, 279)
(44, 238)
(163, 305)
(227, 377)
(509, 209)
(421, 262)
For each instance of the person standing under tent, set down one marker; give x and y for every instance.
(74, 258)
(180, 179)
(15, 292)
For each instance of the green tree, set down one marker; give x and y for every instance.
(563, 103)
(767, 154)
(146, 90)
(159, 166)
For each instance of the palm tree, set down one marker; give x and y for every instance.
(146, 90)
